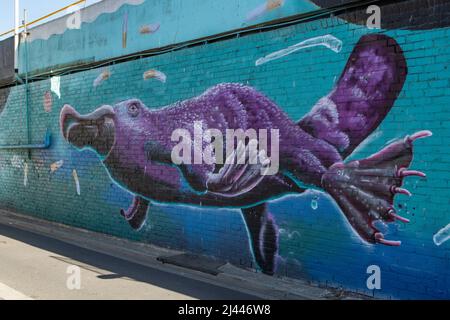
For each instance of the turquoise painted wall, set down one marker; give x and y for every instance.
(316, 241)
(52, 45)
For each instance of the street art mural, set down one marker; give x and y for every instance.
(346, 104)
(135, 145)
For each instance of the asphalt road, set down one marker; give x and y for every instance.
(33, 266)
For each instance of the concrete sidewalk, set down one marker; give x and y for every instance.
(107, 257)
(33, 266)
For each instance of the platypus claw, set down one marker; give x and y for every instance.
(403, 172)
(379, 237)
(395, 216)
(395, 190)
(419, 135)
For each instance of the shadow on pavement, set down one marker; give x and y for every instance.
(119, 268)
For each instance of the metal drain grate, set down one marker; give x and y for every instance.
(195, 262)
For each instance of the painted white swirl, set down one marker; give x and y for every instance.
(86, 15)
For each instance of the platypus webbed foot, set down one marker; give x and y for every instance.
(136, 213)
(365, 189)
(243, 170)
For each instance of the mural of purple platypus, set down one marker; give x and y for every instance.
(135, 146)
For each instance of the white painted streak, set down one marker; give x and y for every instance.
(8, 293)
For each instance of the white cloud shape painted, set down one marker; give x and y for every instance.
(88, 15)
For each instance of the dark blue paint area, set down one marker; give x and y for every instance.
(319, 238)
(209, 231)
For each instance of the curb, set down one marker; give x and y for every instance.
(231, 277)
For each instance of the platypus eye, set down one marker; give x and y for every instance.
(133, 109)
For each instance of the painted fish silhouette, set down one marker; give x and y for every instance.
(135, 146)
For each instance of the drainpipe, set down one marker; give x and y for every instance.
(16, 36)
(16, 40)
(25, 45)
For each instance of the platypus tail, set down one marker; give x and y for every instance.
(368, 87)
(366, 91)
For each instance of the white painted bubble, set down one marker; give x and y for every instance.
(327, 41)
(442, 235)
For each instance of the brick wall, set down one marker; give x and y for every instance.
(315, 240)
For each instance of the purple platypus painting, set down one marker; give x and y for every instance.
(134, 144)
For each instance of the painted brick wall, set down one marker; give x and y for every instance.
(315, 240)
(96, 33)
